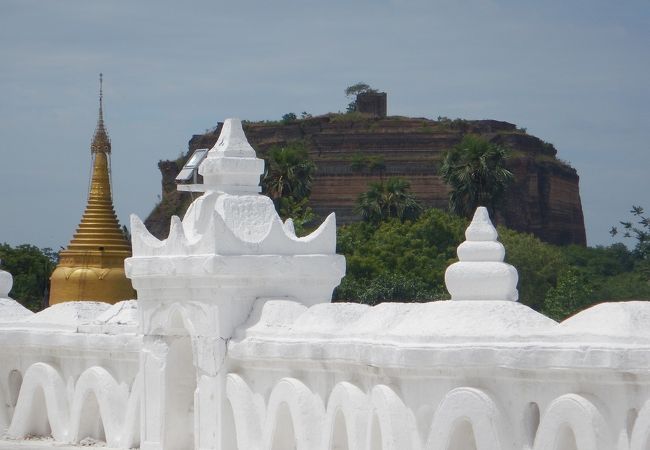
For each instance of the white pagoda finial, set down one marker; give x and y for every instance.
(231, 165)
(6, 283)
(481, 273)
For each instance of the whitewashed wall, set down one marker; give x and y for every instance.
(233, 344)
(70, 373)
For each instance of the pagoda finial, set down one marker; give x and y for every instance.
(101, 141)
(480, 273)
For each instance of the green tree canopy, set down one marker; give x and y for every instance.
(406, 261)
(31, 268)
(388, 199)
(639, 229)
(353, 91)
(287, 180)
(476, 173)
(358, 88)
(398, 261)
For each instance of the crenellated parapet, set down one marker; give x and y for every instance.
(69, 374)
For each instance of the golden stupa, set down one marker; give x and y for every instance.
(92, 267)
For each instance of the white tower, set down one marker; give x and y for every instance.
(230, 251)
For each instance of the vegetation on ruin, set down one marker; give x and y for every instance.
(475, 170)
(388, 199)
(287, 180)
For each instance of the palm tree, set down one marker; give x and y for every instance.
(475, 171)
(287, 180)
(389, 199)
(289, 173)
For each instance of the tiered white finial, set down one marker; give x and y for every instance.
(231, 165)
(6, 283)
(481, 273)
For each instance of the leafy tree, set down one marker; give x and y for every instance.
(287, 180)
(571, 295)
(388, 199)
(537, 263)
(358, 162)
(377, 164)
(475, 171)
(289, 117)
(353, 91)
(406, 261)
(639, 229)
(298, 211)
(398, 261)
(31, 268)
(289, 172)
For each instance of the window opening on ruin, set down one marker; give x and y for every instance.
(283, 436)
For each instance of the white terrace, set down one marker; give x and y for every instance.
(234, 344)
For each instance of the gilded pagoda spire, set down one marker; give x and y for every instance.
(101, 141)
(92, 266)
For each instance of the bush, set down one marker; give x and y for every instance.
(572, 294)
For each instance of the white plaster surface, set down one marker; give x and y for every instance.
(233, 344)
(480, 273)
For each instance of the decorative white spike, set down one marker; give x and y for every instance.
(143, 243)
(232, 141)
(6, 283)
(231, 165)
(323, 239)
(176, 244)
(481, 273)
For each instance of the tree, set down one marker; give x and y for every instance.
(572, 294)
(289, 117)
(640, 231)
(31, 268)
(353, 91)
(388, 199)
(287, 181)
(475, 171)
(398, 261)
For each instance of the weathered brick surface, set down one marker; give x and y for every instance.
(544, 200)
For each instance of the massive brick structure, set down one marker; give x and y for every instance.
(544, 199)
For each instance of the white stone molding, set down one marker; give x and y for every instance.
(42, 405)
(474, 407)
(573, 418)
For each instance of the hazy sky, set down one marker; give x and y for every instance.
(574, 73)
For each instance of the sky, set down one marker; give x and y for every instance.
(572, 72)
